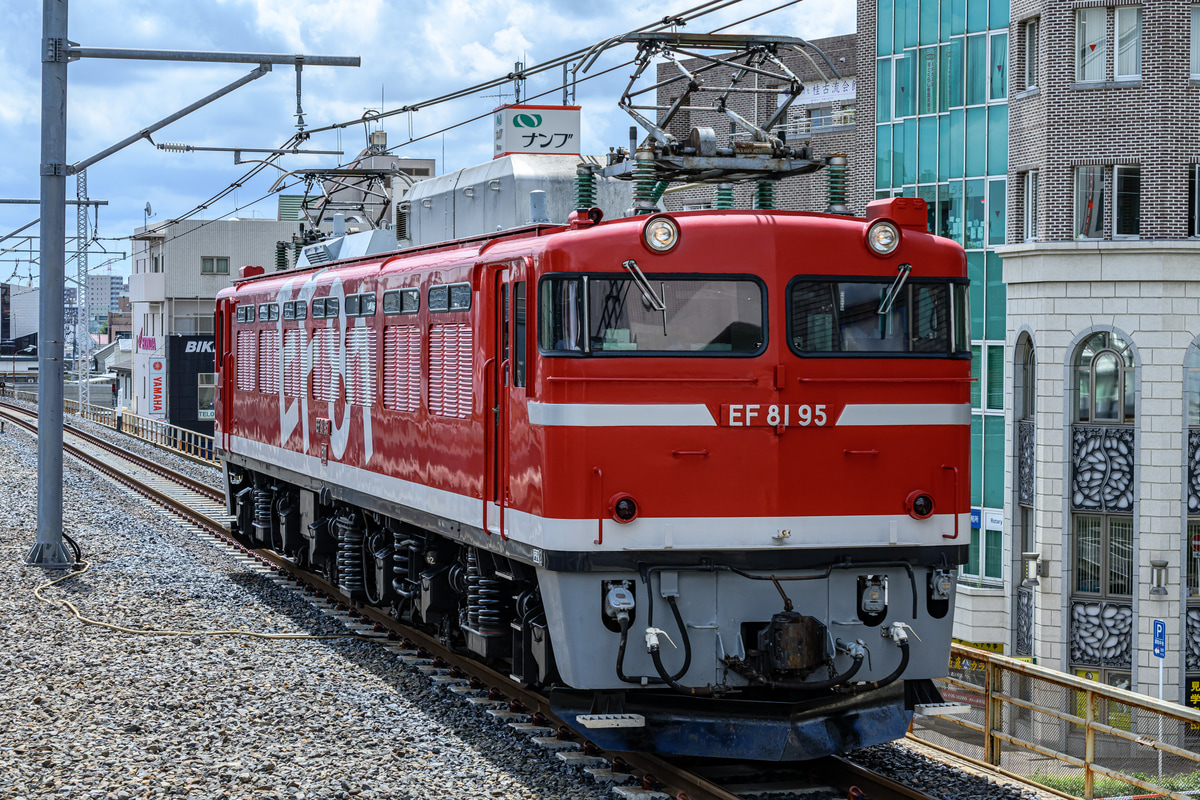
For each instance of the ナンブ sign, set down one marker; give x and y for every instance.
(537, 129)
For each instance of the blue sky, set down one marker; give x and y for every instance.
(411, 51)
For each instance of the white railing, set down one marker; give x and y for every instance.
(196, 446)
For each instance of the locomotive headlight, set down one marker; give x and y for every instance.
(661, 234)
(623, 508)
(883, 238)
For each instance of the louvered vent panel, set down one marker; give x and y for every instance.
(268, 362)
(246, 342)
(291, 363)
(325, 356)
(402, 367)
(360, 366)
(450, 370)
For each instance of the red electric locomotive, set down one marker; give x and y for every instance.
(702, 475)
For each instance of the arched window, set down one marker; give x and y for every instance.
(1104, 380)
(1103, 496)
(1026, 383)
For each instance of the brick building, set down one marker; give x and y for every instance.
(1103, 364)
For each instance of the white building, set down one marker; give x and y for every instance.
(178, 268)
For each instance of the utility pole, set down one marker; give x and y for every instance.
(57, 51)
(49, 551)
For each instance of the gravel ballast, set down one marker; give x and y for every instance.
(90, 713)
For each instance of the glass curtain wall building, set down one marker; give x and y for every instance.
(941, 134)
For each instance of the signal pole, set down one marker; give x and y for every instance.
(56, 51)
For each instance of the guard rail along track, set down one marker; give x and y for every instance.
(1078, 737)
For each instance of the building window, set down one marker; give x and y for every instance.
(206, 395)
(1195, 42)
(1104, 555)
(214, 265)
(1031, 54)
(1104, 380)
(1031, 205)
(1128, 190)
(998, 68)
(1194, 200)
(819, 118)
(1129, 42)
(1089, 44)
(1089, 202)
(1026, 389)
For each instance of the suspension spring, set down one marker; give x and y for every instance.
(486, 606)
(403, 555)
(350, 554)
(262, 507)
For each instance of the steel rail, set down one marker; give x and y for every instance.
(676, 779)
(199, 487)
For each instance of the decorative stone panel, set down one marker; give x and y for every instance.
(1102, 468)
(1192, 642)
(1101, 634)
(1026, 460)
(1193, 474)
(1024, 627)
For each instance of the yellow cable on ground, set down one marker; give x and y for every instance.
(88, 621)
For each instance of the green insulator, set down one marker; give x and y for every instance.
(764, 195)
(659, 188)
(281, 261)
(645, 178)
(585, 187)
(297, 250)
(725, 195)
(835, 185)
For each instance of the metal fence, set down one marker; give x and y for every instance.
(1076, 736)
(196, 446)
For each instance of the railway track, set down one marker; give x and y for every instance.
(635, 775)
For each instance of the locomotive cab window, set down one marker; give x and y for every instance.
(612, 315)
(926, 318)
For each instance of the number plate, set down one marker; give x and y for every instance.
(763, 415)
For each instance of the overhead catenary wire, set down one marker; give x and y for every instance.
(693, 13)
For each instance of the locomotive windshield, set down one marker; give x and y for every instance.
(611, 315)
(925, 318)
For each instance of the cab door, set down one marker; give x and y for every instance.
(223, 364)
(496, 330)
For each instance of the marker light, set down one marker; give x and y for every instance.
(661, 234)
(919, 505)
(883, 238)
(623, 508)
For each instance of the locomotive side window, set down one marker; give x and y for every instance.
(827, 317)
(699, 316)
(360, 305)
(331, 306)
(460, 297)
(301, 309)
(273, 312)
(439, 298)
(402, 301)
(289, 311)
(319, 308)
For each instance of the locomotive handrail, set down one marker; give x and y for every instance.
(955, 501)
(488, 366)
(599, 473)
(503, 444)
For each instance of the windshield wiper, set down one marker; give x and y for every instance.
(889, 297)
(644, 286)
